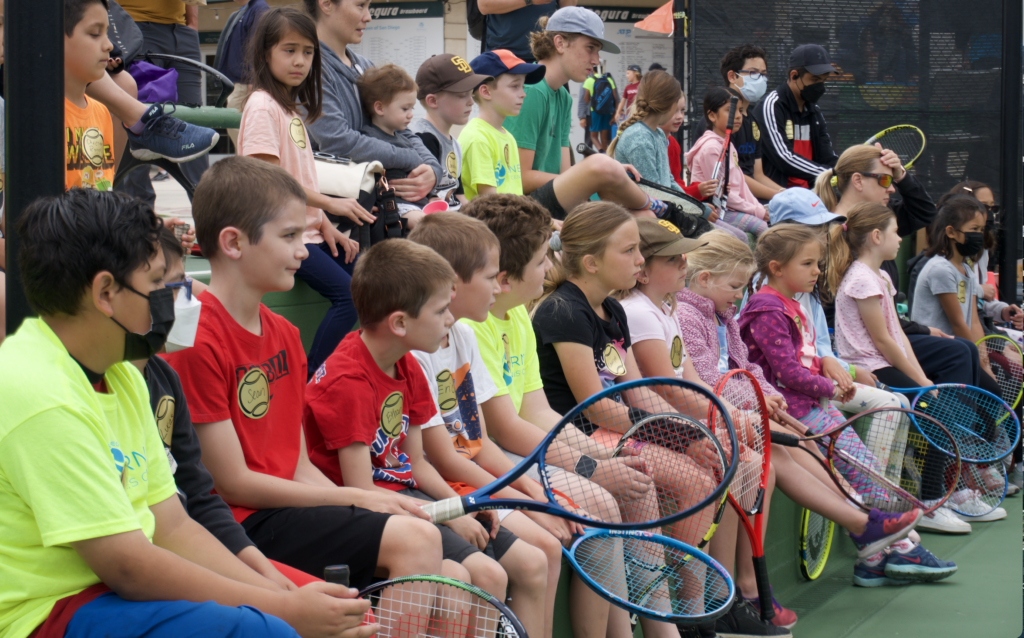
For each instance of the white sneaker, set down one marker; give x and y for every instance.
(943, 520)
(969, 507)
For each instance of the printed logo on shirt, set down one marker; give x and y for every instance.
(500, 173)
(961, 291)
(254, 394)
(506, 366)
(757, 132)
(89, 153)
(321, 372)
(789, 129)
(392, 421)
(462, 416)
(131, 467)
(508, 162)
(612, 361)
(165, 418)
(446, 391)
(297, 132)
(451, 164)
(675, 353)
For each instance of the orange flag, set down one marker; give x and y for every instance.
(661, 21)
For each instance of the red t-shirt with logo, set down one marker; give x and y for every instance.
(350, 400)
(256, 381)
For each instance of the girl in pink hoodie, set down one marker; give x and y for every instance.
(743, 211)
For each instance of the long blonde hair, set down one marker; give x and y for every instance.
(657, 94)
(856, 159)
(723, 255)
(585, 232)
(780, 244)
(847, 240)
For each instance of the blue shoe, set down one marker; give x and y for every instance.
(867, 575)
(167, 137)
(918, 565)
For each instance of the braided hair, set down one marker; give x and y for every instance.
(657, 94)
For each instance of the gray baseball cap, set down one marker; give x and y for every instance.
(582, 21)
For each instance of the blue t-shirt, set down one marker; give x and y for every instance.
(512, 30)
(232, 62)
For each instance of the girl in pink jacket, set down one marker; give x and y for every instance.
(743, 211)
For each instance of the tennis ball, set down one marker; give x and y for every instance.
(297, 133)
(391, 415)
(612, 361)
(254, 394)
(446, 391)
(92, 146)
(676, 352)
(165, 418)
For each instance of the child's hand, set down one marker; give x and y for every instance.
(865, 376)
(774, 403)
(493, 518)
(1014, 315)
(188, 238)
(713, 217)
(935, 332)
(624, 477)
(557, 527)
(417, 185)
(470, 530)
(635, 174)
(326, 610)
(393, 503)
(832, 369)
(345, 207)
(707, 189)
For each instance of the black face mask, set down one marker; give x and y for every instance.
(161, 310)
(812, 92)
(971, 245)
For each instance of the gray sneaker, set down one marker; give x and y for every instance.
(743, 620)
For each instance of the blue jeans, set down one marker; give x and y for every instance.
(331, 277)
(110, 616)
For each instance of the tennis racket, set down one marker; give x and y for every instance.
(652, 575)
(679, 451)
(439, 606)
(905, 140)
(816, 534)
(740, 391)
(880, 459)
(721, 170)
(984, 426)
(1007, 362)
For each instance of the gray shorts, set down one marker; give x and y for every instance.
(458, 549)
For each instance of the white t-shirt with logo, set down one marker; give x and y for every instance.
(647, 321)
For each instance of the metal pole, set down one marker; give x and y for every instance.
(1010, 150)
(34, 126)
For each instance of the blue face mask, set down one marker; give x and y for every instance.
(754, 90)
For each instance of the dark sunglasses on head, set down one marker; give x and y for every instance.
(186, 284)
(884, 180)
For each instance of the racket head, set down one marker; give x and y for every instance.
(651, 425)
(439, 606)
(880, 459)
(1007, 362)
(652, 575)
(906, 140)
(742, 395)
(980, 489)
(984, 426)
(816, 533)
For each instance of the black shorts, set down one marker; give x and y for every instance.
(458, 549)
(545, 196)
(311, 538)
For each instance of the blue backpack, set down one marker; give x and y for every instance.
(602, 98)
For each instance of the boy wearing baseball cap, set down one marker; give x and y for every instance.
(445, 90)
(490, 157)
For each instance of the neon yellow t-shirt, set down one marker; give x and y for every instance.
(489, 157)
(75, 464)
(508, 348)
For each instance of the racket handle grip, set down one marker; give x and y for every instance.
(337, 574)
(789, 421)
(782, 438)
(446, 510)
(764, 590)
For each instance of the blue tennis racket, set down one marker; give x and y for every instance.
(652, 575)
(983, 425)
(677, 454)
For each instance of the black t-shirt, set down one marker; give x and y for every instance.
(747, 141)
(566, 317)
(195, 485)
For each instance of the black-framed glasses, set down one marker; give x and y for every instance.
(753, 75)
(186, 285)
(884, 179)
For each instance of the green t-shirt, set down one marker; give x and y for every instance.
(542, 125)
(75, 464)
(489, 157)
(508, 348)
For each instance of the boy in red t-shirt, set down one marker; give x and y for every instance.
(244, 380)
(365, 406)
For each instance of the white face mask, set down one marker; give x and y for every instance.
(186, 321)
(753, 90)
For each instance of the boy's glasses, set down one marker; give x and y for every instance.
(753, 75)
(884, 180)
(186, 284)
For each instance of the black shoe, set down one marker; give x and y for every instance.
(703, 630)
(744, 620)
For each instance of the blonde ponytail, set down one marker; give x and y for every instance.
(658, 93)
(826, 190)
